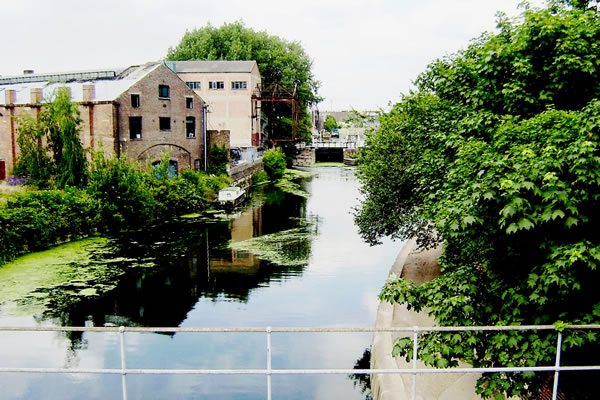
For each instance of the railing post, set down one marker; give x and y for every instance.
(415, 350)
(557, 365)
(123, 366)
(269, 363)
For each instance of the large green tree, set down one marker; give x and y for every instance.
(496, 154)
(279, 61)
(50, 147)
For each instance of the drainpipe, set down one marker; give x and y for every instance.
(204, 106)
(117, 131)
(13, 139)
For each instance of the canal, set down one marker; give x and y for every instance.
(286, 259)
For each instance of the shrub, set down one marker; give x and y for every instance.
(259, 177)
(274, 163)
(123, 192)
(38, 219)
(218, 160)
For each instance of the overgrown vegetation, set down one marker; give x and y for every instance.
(112, 195)
(218, 160)
(496, 154)
(120, 196)
(274, 163)
(330, 123)
(61, 162)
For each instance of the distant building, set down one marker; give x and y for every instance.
(227, 87)
(349, 130)
(141, 111)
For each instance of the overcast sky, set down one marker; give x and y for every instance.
(365, 53)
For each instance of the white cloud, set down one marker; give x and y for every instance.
(365, 54)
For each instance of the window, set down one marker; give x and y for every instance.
(171, 171)
(190, 127)
(216, 85)
(164, 123)
(193, 85)
(163, 91)
(197, 164)
(189, 102)
(135, 127)
(135, 100)
(237, 85)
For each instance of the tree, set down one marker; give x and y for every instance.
(34, 161)
(330, 123)
(279, 61)
(63, 157)
(495, 154)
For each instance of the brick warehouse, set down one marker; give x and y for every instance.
(140, 111)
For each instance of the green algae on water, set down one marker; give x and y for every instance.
(29, 283)
(291, 247)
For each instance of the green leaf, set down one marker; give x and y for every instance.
(512, 228)
(571, 221)
(557, 214)
(525, 223)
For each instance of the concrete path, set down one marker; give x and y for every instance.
(419, 266)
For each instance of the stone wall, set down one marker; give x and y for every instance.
(305, 158)
(241, 174)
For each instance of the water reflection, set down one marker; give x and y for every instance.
(184, 261)
(184, 274)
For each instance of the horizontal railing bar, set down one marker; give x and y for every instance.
(294, 329)
(292, 371)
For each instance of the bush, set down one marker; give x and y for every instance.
(188, 192)
(218, 160)
(38, 219)
(123, 193)
(274, 163)
(259, 177)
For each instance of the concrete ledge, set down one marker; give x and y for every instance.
(418, 266)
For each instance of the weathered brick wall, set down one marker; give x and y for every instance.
(219, 138)
(102, 132)
(185, 150)
(8, 125)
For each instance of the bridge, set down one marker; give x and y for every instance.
(328, 151)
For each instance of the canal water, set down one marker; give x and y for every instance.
(283, 260)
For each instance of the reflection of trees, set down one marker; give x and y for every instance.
(161, 273)
(363, 382)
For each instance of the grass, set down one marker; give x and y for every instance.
(329, 164)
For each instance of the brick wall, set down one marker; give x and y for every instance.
(183, 148)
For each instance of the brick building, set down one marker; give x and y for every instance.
(141, 111)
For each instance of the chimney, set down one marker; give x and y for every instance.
(89, 92)
(36, 95)
(10, 96)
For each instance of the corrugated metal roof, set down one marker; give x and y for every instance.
(104, 89)
(109, 73)
(212, 66)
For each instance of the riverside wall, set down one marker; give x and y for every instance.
(419, 266)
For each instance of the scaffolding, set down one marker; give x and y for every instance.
(277, 94)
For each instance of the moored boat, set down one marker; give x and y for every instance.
(231, 196)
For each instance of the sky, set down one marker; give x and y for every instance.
(365, 53)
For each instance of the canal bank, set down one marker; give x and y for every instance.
(419, 266)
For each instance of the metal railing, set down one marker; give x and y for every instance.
(269, 371)
(337, 144)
